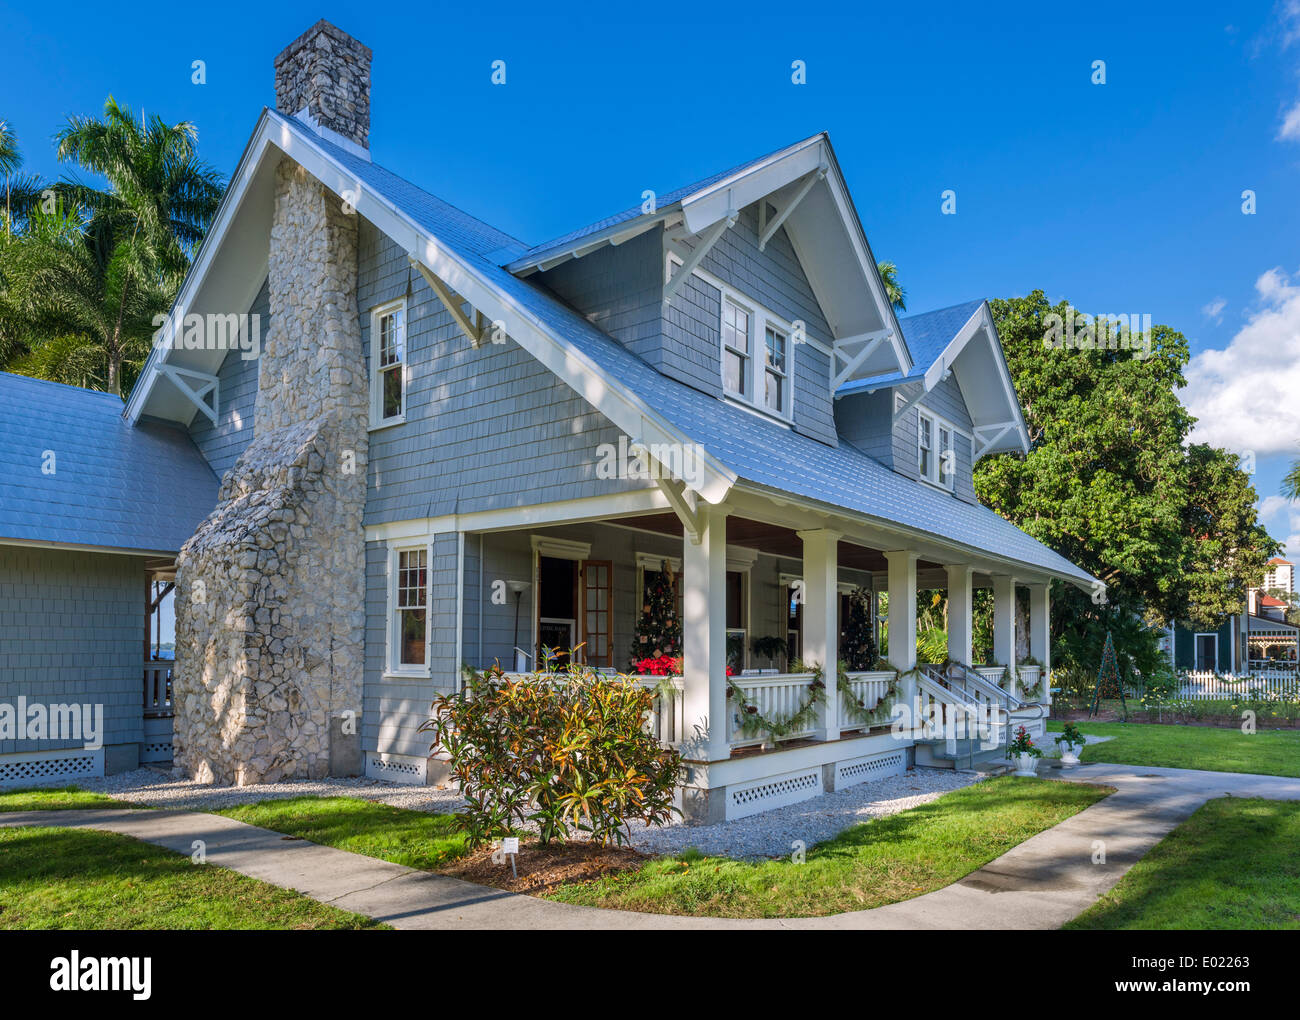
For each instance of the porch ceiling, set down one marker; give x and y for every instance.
(774, 540)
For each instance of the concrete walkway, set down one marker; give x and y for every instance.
(1042, 883)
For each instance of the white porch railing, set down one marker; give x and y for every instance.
(869, 688)
(775, 696)
(1207, 686)
(157, 689)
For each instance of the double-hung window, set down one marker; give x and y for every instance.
(774, 371)
(735, 348)
(935, 456)
(388, 364)
(410, 611)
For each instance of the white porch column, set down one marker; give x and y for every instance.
(1040, 638)
(821, 632)
(1004, 622)
(704, 638)
(959, 612)
(902, 624)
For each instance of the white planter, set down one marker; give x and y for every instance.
(1070, 754)
(1024, 765)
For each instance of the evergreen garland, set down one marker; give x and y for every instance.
(753, 722)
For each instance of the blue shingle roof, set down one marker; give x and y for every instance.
(761, 452)
(927, 335)
(115, 485)
(662, 201)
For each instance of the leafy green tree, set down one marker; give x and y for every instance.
(1108, 483)
(1291, 481)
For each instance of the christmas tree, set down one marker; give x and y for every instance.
(857, 644)
(658, 628)
(1108, 683)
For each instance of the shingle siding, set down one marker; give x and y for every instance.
(485, 428)
(72, 631)
(773, 278)
(223, 442)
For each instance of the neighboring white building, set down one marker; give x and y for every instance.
(1281, 574)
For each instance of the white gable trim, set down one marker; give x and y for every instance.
(616, 402)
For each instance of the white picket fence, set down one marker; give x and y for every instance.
(1207, 686)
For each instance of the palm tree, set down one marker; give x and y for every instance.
(22, 191)
(71, 315)
(1291, 481)
(80, 285)
(159, 190)
(893, 290)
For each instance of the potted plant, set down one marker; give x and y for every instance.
(1070, 740)
(1023, 752)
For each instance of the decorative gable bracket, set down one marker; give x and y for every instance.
(853, 351)
(459, 309)
(687, 267)
(766, 229)
(208, 385)
(988, 436)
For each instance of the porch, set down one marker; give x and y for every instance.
(745, 572)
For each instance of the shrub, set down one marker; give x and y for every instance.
(567, 750)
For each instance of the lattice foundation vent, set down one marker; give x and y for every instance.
(869, 768)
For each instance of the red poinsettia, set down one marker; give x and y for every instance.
(659, 665)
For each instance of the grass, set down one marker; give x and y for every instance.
(82, 880)
(881, 861)
(63, 798)
(1232, 864)
(416, 839)
(1265, 752)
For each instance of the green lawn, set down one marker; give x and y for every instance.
(81, 879)
(1266, 752)
(881, 861)
(63, 798)
(1232, 864)
(416, 839)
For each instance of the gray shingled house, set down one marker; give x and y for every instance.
(439, 447)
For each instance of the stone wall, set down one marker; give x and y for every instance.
(270, 590)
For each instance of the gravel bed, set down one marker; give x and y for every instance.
(157, 787)
(773, 833)
(770, 834)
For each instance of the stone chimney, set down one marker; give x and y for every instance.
(323, 78)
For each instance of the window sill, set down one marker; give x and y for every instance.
(936, 485)
(387, 423)
(391, 675)
(764, 413)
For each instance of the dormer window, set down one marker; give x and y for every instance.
(735, 349)
(388, 364)
(935, 457)
(774, 371)
(756, 356)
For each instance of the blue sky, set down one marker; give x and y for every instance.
(1123, 197)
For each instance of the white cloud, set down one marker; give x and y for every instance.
(1247, 396)
(1290, 128)
(1282, 519)
(1214, 310)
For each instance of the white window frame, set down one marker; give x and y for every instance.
(759, 319)
(787, 395)
(1196, 650)
(749, 354)
(938, 424)
(394, 668)
(377, 313)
